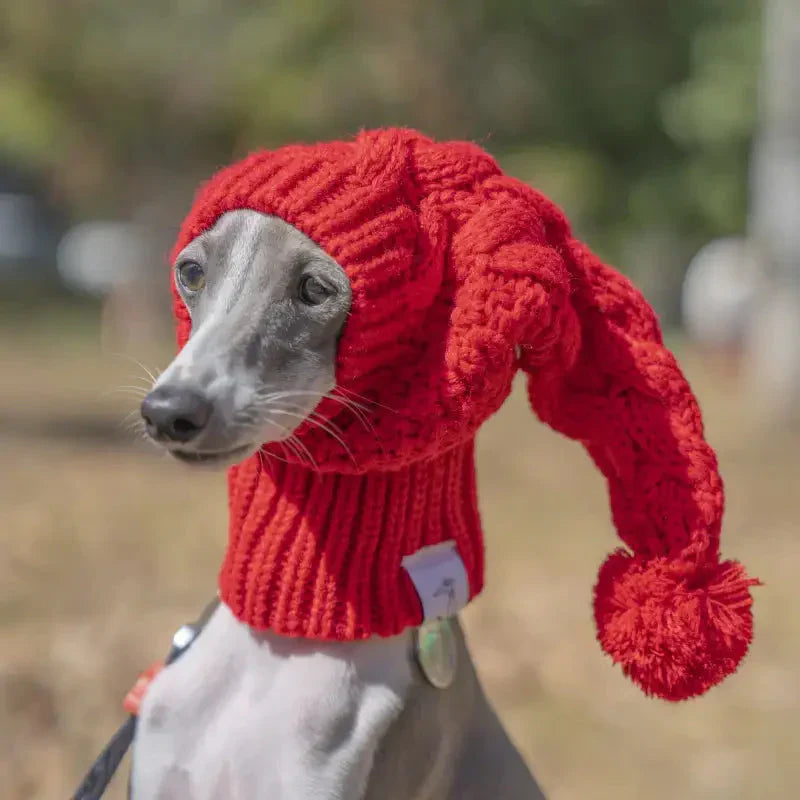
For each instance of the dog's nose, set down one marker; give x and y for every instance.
(177, 413)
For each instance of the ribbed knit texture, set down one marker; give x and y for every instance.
(332, 570)
(460, 276)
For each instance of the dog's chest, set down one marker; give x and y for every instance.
(251, 715)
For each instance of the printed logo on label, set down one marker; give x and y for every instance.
(440, 579)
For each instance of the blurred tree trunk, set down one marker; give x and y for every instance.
(773, 357)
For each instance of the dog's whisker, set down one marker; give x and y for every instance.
(348, 400)
(136, 377)
(298, 447)
(136, 425)
(359, 411)
(307, 414)
(146, 385)
(292, 438)
(138, 363)
(256, 417)
(357, 408)
(331, 428)
(130, 420)
(289, 446)
(288, 450)
(141, 434)
(283, 448)
(284, 460)
(322, 424)
(258, 414)
(300, 451)
(136, 391)
(361, 397)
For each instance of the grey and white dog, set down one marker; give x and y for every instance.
(245, 715)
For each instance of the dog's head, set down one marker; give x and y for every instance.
(377, 289)
(267, 306)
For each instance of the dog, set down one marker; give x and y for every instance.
(349, 313)
(245, 713)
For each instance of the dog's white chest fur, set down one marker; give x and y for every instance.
(246, 715)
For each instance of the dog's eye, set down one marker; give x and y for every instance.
(313, 291)
(191, 276)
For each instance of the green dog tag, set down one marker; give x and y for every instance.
(436, 652)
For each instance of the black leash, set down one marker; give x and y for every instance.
(102, 770)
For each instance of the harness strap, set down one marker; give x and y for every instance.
(101, 772)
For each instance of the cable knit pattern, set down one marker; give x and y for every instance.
(460, 276)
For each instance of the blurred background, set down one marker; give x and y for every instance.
(670, 134)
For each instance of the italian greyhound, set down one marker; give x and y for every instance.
(249, 714)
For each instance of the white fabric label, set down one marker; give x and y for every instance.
(440, 579)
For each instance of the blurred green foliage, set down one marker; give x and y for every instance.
(633, 114)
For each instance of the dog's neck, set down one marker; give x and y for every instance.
(250, 714)
(320, 555)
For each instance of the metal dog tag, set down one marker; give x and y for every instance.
(436, 652)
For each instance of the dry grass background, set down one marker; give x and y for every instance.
(107, 547)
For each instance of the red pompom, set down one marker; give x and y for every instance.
(676, 628)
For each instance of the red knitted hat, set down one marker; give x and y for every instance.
(460, 277)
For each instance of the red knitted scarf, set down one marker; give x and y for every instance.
(318, 555)
(460, 277)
